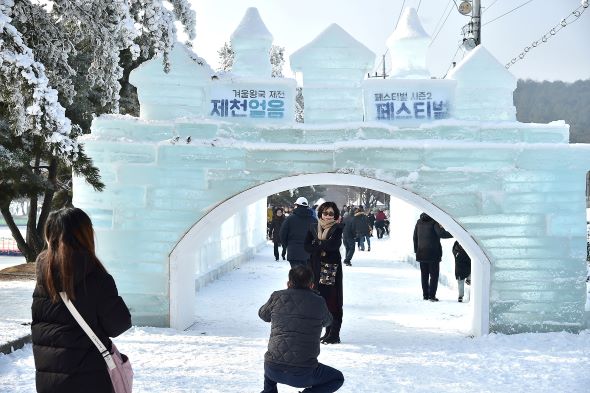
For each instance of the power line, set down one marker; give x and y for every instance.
(420, 2)
(382, 61)
(489, 6)
(571, 18)
(514, 9)
(400, 14)
(441, 27)
(442, 15)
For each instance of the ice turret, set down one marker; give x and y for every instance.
(408, 47)
(251, 43)
(178, 93)
(333, 66)
(484, 88)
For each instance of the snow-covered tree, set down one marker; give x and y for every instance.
(63, 62)
(226, 57)
(299, 106)
(277, 60)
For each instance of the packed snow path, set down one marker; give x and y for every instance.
(392, 340)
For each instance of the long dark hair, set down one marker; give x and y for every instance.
(67, 231)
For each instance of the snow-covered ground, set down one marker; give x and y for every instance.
(392, 340)
(8, 261)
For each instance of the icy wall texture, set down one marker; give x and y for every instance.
(517, 189)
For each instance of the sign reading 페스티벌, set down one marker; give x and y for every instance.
(262, 101)
(407, 101)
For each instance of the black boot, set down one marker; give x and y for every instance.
(334, 336)
(326, 334)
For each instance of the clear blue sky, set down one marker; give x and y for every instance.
(294, 23)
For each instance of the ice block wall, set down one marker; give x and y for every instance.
(513, 192)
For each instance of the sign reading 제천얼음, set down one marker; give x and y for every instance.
(408, 100)
(263, 101)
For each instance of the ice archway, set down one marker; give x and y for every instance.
(513, 193)
(182, 293)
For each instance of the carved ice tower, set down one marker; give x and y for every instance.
(408, 47)
(251, 43)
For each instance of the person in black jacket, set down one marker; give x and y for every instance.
(297, 315)
(66, 360)
(362, 229)
(274, 232)
(462, 268)
(293, 232)
(348, 238)
(427, 235)
(323, 241)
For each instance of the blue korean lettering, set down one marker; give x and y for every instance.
(220, 108)
(385, 111)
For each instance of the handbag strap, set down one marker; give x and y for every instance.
(88, 330)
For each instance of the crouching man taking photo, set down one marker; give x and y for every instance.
(297, 315)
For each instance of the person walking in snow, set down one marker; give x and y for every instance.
(323, 241)
(293, 231)
(371, 219)
(427, 235)
(362, 229)
(274, 232)
(297, 315)
(462, 268)
(66, 360)
(348, 238)
(380, 223)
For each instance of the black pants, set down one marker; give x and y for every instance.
(319, 379)
(429, 270)
(276, 249)
(380, 227)
(349, 245)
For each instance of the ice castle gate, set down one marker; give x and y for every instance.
(209, 147)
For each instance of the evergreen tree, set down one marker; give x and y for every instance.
(62, 63)
(543, 102)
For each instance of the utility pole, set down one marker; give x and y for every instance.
(476, 18)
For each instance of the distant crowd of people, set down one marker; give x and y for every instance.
(68, 271)
(359, 224)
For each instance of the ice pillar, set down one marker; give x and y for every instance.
(408, 47)
(251, 43)
(333, 66)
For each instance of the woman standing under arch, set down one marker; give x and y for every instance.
(323, 242)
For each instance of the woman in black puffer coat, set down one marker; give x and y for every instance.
(65, 358)
(462, 268)
(278, 217)
(323, 241)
